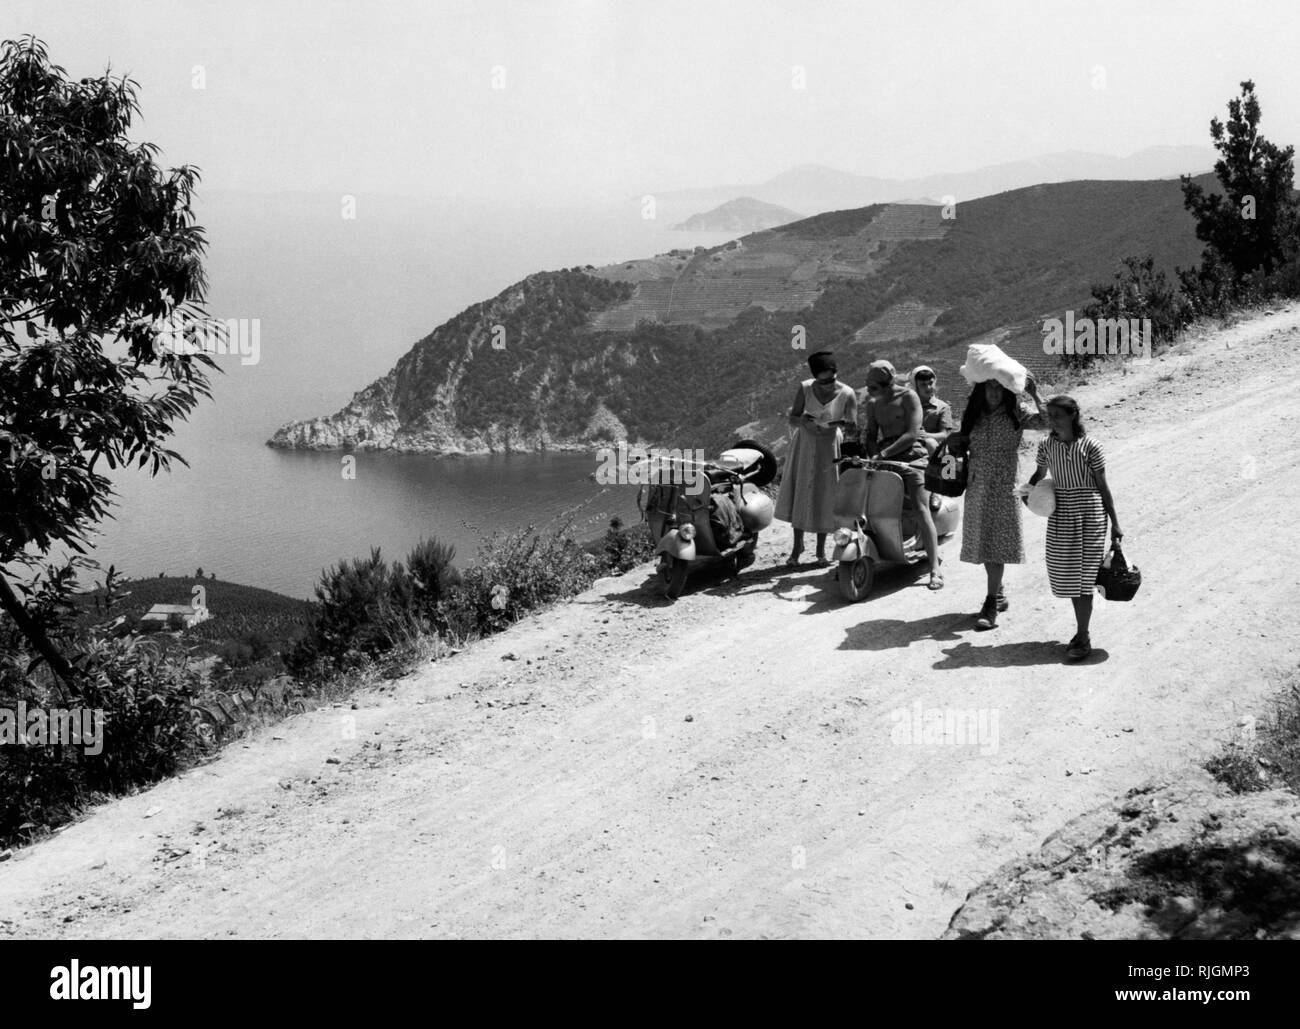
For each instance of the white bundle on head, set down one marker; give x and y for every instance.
(985, 361)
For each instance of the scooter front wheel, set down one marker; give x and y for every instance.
(673, 571)
(855, 578)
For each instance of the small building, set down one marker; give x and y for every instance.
(163, 617)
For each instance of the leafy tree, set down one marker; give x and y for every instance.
(1252, 225)
(98, 249)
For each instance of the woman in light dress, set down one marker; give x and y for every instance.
(823, 408)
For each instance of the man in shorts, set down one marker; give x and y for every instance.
(892, 432)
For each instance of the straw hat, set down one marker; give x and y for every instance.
(1042, 498)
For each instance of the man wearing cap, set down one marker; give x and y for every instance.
(892, 432)
(936, 415)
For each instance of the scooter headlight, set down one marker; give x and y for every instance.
(687, 532)
(842, 537)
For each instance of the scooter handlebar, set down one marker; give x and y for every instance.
(874, 462)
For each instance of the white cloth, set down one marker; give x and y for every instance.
(986, 361)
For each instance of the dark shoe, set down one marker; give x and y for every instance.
(1003, 602)
(988, 616)
(1080, 648)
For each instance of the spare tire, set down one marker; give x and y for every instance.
(767, 469)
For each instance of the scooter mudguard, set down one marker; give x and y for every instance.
(850, 551)
(859, 546)
(671, 543)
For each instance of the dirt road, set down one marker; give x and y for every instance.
(736, 764)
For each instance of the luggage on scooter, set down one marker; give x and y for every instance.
(725, 521)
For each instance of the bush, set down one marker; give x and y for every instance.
(1269, 756)
(515, 573)
(365, 607)
(627, 547)
(147, 731)
(1210, 287)
(1138, 291)
(432, 578)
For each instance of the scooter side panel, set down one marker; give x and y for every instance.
(697, 509)
(884, 513)
(850, 495)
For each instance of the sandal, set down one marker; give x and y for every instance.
(988, 616)
(936, 581)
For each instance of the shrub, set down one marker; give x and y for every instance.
(432, 577)
(627, 547)
(1210, 287)
(1138, 291)
(515, 573)
(1267, 757)
(364, 607)
(147, 731)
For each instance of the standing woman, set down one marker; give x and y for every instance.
(823, 407)
(991, 534)
(1076, 529)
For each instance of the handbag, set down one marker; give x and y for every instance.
(945, 473)
(1116, 578)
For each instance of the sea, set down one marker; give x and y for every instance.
(337, 301)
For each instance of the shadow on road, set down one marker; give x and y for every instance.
(894, 633)
(1012, 655)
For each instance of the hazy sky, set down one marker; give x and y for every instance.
(619, 98)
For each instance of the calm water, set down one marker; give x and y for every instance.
(339, 301)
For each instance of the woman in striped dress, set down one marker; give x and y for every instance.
(1076, 531)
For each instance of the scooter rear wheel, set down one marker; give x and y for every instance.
(745, 558)
(856, 578)
(673, 571)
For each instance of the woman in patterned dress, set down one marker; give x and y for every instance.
(823, 407)
(1076, 530)
(991, 428)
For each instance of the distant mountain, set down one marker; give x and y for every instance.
(816, 188)
(689, 347)
(744, 214)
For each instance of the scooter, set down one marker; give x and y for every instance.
(679, 515)
(876, 523)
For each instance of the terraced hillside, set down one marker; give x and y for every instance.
(777, 269)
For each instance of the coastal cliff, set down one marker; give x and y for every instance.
(523, 396)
